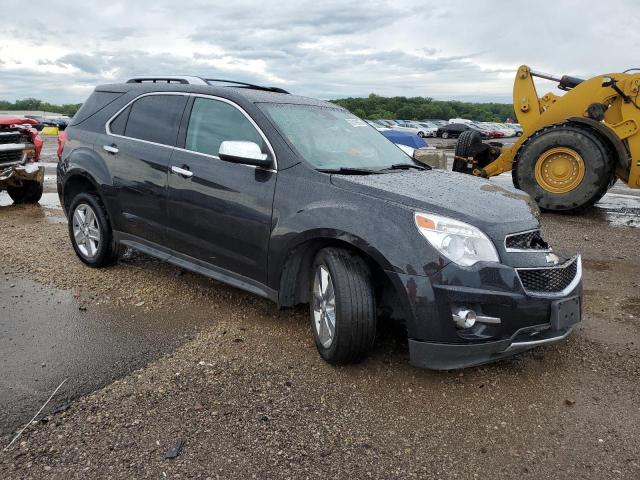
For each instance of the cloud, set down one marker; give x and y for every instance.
(328, 49)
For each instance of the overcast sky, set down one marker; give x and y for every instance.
(58, 50)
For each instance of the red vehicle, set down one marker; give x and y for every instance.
(20, 146)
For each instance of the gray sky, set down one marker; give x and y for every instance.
(58, 50)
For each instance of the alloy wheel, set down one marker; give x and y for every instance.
(324, 306)
(86, 231)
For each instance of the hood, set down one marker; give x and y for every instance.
(8, 121)
(495, 209)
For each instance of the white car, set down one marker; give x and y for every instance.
(416, 128)
(460, 120)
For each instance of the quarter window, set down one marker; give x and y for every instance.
(212, 122)
(154, 118)
(119, 123)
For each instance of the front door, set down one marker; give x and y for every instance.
(220, 212)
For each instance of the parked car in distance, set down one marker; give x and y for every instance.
(517, 128)
(487, 131)
(20, 147)
(459, 120)
(431, 128)
(452, 130)
(415, 128)
(299, 201)
(501, 127)
(436, 122)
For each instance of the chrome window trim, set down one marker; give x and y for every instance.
(566, 290)
(524, 250)
(199, 95)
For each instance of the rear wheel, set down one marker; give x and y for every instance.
(28, 192)
(342, 306)
(565, 168)
(445, 135)
(90, 231)
(421, 134)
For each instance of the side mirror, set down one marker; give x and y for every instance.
(243, 152)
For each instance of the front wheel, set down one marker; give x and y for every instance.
(445, 135)
(342, 306)
(28, 192)
(421, 134)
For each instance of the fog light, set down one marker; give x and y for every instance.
(464, 318)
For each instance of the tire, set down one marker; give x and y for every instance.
(29, 192)
(421, 134)
(106, 250)
(445, 135)
(598, 163)
(354, 307)
(464, 148)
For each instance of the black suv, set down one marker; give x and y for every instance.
(299, 201)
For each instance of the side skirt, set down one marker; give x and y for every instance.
(195, 265)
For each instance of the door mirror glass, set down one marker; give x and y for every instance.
(243, 152)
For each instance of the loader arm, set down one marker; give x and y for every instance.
(610, 104)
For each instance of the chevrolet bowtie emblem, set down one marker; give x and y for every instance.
(552, 258)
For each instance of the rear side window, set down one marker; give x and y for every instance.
(96, 102)
(155, 118)
(212, 122)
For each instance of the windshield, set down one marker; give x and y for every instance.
(332, 138)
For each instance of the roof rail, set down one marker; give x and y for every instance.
(191, 80)
(182, 79)
(246, 85)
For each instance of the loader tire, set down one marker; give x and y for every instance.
(564, 168)
(465, 148)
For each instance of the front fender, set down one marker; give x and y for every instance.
(384, 231)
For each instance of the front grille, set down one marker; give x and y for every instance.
(10, 137)
(531, 240)
(549, 280)
(10, 156)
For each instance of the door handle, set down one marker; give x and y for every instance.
(111, 148)
(182, 171)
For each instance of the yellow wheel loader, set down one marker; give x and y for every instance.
(573, 148)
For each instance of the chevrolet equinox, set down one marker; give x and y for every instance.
(299, 201)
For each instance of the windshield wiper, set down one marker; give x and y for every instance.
(348, 171)
(406, 166)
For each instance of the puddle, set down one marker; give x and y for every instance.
(52, 217)
(619, 210)
(47, 335)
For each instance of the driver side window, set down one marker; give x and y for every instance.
(212, 122)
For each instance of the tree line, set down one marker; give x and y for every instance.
(38, 105)
(374, 107)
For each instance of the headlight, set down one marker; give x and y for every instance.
(460, 242)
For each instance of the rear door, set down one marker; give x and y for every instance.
(220, 212)
(139, 144)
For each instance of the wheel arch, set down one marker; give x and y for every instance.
(294, 280)
(75, 182)
(623, 158)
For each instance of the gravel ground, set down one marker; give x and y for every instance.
(250, 398)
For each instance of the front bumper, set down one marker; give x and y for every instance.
(442, 356)
(521, 319)
(14, 175)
